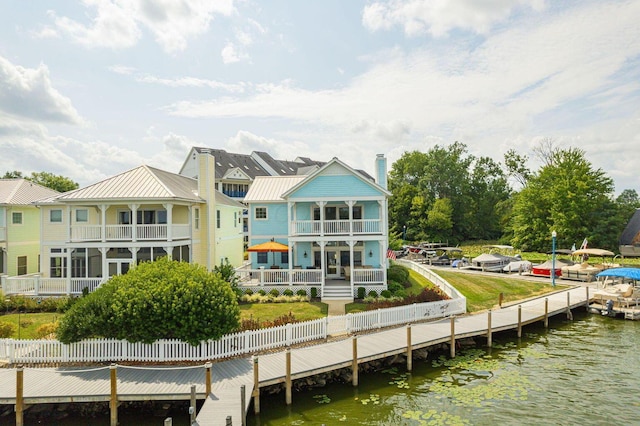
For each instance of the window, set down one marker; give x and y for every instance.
(16, 218)
(55, 216)
(262, 257)
(284, 257)
(218, 219)
(196, 218)
(82, 215)
(235, 219)
(124, 217)
(261, 212)
(22, 265)
(58, 263)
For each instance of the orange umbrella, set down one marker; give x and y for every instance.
(269, 246)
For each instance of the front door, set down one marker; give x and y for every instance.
(333, 264)
(119, 266)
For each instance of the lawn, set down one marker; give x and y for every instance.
(29, 323)
(483, 291)
(302, 311)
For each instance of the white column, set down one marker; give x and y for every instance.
(134, 255)
(350, 204)
(321, 204)
(169, 208)
(103, 222)
(134, 221)
(351, 244)
(105, 265)
(323, 262)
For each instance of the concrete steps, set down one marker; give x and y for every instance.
(337, 292)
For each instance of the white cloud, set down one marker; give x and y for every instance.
(438, 17)
(28, 93)
(230, 54)
(117, 23)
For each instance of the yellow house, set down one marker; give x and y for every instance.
(104, 229)
(20, 226)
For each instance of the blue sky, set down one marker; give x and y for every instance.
(92, 88)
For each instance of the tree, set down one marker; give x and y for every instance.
(566, 195)
(516, 166)
(56, 182)
(160, 300)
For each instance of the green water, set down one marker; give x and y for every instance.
(585, 371)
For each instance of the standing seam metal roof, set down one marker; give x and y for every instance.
(23, 192)
(271, 188)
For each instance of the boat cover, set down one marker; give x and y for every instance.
(632, 273)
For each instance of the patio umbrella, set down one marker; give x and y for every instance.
(269, 247)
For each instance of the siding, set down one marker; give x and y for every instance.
(275, 224)
(345, 186)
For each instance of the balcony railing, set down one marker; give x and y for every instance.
(234, 194)
(124, 232)
(36, 285)
(261, 277)
(336, 227)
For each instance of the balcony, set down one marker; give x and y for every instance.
(336, 227)
(234, 194)
(125, 232)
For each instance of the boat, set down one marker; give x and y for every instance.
(518, 266)
(492, 262)
(619, 294)
(544, 269)
(444, 256)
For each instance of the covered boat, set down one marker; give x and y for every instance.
(493, 262)
(544, 269)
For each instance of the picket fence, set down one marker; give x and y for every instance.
(241, 343)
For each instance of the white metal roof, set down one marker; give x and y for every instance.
(271, 188)
(22, 191)
(143, 182)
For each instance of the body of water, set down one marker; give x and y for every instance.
(580, 372)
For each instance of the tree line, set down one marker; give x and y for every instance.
(449, 195)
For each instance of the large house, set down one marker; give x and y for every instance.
(20, 226)
(333, 223)
(630, 237)
(102, 230)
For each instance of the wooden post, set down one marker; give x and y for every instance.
(287, 378)
(586, 303)
(168, 421)
(569, 314)
(354, 363)
(519, 321)
(207, 379)
(243, 403)
(452, 344)
(192, 407)
(256, 387)
(409, 349)
(546, 312)
(19, 395)
(500, 299)
(113, 402)
(489, 333)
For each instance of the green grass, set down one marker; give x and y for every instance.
(302, 311)
(29, 323)
(483, 291)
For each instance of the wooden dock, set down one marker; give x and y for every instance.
(227, 377)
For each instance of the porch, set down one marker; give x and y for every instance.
(336, 227)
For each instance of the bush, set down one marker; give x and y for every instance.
(7, 329)
(261, 292)
(314, 292)
(373, 293)
(361, 292)
(46, 330)
(160, 300)
(274, 292)
(248, 292)
(227, 272)
(398, 273)
(385, 293)
(288, 292)
(394, 287)
(302, 292)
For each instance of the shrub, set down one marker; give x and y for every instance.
(46, 330)
(394, 287)
(227, 272)
(314, 292)
(361, 292)
(248, 292)
(398, 274)
(385, 293)
(261, 292)
(373, 293)
(160, 300)
(7, 329)
(274, 292)
(288, 292)
(302, 292)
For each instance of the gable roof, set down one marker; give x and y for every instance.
(271, 188)
(631, 230)
(335, 160)
(22, 191)
(143, 182)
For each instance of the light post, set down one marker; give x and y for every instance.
(404, 233)
(553, 258)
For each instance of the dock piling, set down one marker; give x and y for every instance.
(452, 344)
(20, 395)
(168, 421)
(256, 386)
(207, 379)
(489, 333)
(113, 401)
(519, 321)
(586, 302)
(287, 378)
(569, 314)
(354, 363)
(409, 349)
(192, 406)
(546, 312)
(243, 404)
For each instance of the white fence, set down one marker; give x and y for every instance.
(34, 285)
(242, 343)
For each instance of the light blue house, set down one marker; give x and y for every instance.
(334, 223)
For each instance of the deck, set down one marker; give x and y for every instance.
(170, 383)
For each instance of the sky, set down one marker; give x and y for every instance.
(92, 88)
